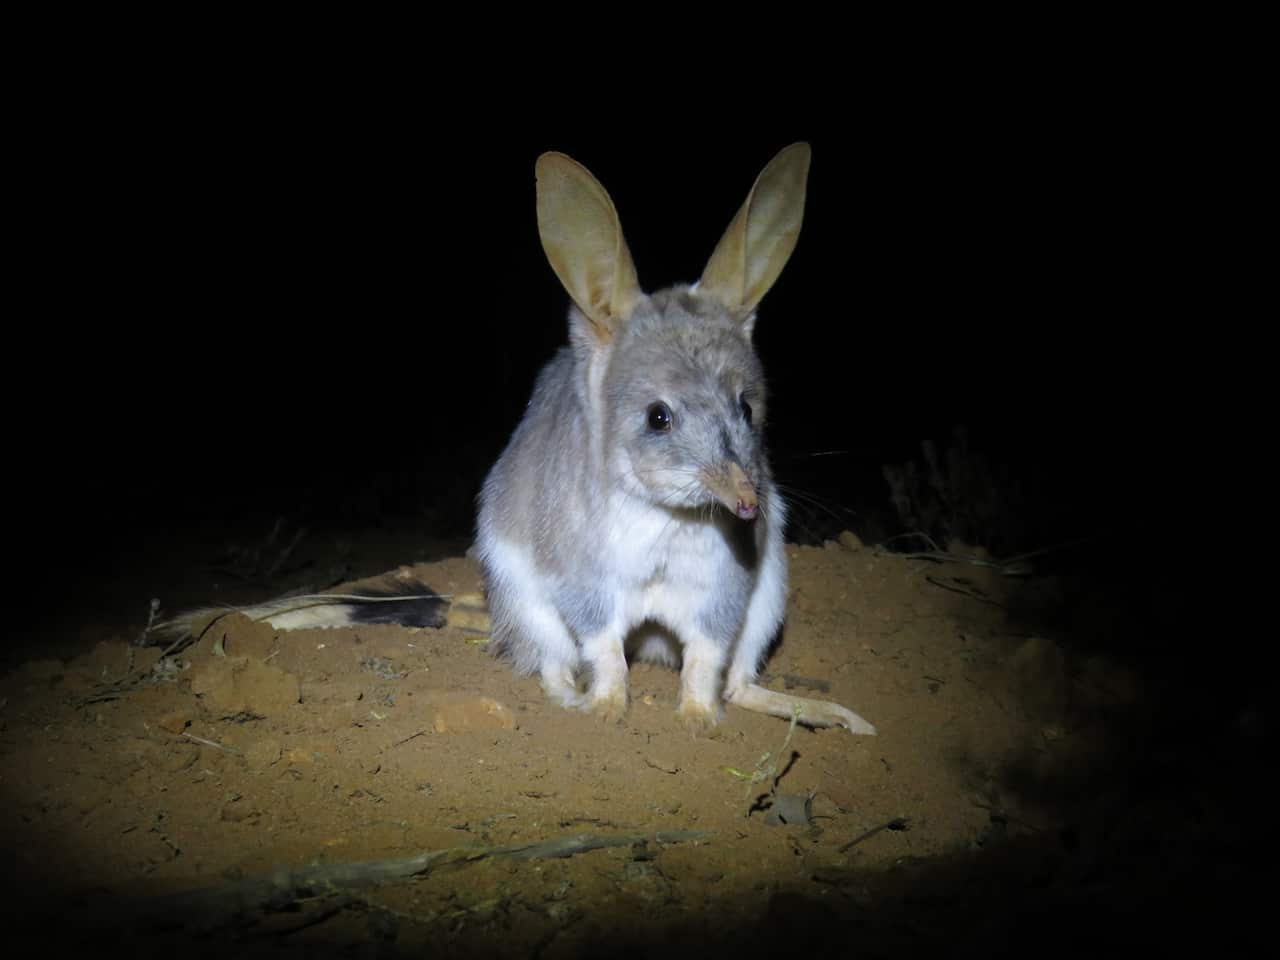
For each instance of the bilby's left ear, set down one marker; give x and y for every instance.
(759, 241)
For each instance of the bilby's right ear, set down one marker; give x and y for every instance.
(583, 241)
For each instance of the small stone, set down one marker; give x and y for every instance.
(238, 685)
(474, 713)
(238, 811)
(850, 541)
(175, 721)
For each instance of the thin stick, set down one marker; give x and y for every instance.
(218, 906)
(210, 743)
(1010, 566)
(897, 823)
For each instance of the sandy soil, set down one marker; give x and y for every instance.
(147, 798)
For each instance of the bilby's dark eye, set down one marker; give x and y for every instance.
(659, 418)
(746, 407)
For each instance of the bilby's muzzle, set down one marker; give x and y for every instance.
(732, 487)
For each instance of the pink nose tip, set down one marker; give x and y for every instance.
(747, 511)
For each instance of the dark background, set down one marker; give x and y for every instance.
(330, 308)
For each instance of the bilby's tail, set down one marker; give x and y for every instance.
(393, 599)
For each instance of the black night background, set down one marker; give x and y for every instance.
(358, 308)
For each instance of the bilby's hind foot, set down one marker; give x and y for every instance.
(813, 713)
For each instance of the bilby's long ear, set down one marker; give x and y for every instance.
(759, 241)
(583, 240)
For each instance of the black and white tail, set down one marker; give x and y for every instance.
(393, 599)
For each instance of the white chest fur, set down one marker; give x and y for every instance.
(662, 565)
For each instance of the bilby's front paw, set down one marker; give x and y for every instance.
(698, 718)
(609, 705)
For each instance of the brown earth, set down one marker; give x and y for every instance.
(144, 797)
